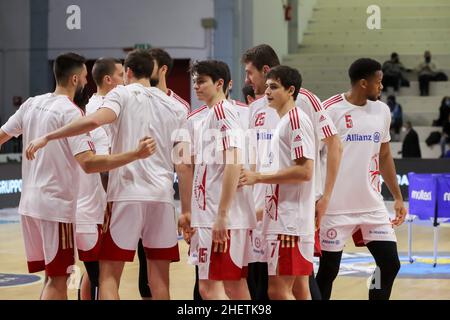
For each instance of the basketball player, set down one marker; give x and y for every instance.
(162, 67)
(356, 205)
(258, 61)
(222, 215)
(50, 183)
(107, 74)
(288, 220)
(141, 194)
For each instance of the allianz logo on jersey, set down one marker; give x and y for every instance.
(421, 195)
(356, 137)
(264, 136)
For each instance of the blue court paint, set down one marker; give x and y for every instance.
(14, 280)
(362, 265)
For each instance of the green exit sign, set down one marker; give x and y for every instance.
(144, 46)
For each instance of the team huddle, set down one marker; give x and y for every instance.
(264, 185)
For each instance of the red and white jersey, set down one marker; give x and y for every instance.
(289, 208)
(91, 202)
(50, 181)
(362, 130)
(143, 111)
(215, 130)
(243, 112)
(263, 120)
(180, 102)
(323, 128)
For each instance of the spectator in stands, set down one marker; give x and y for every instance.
(393, 73)
(428, 71)
(396, 117)
(411, 146)
(445, 138)
(444, 112)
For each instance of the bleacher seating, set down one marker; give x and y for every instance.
(337, 35)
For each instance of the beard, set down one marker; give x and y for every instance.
(373, 98)
(81, 97)
(154, 82)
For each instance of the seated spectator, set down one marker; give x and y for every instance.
(428, 71)
(396, 117)
(444, 112)
(445, 138)
(411, 146)
(393, 73)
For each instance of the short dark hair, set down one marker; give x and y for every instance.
(66, 65)
(391, 98)
(163, 58)
(260, 56)
(213, 68)
(394, 55)
(104, 67)
(287, 76)
(248, 91)
(140, 62)
(363, 68)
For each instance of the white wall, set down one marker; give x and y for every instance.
(269, 25)
(107, 26)
(14, 53)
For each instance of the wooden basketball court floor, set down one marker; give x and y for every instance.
(12, 261)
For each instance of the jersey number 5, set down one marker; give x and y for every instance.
(348, 121)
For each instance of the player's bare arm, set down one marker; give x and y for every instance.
(229, 186)
(92, 163)
(3, 137)
(334, 147)
(185, 173)
(300, 172)
(83, 125)
(388, 172)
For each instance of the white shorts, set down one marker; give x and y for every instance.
(259, 244)
(221, 262)
(49, 246)
(88, 239)
(289, 256)
(127, 222)
(370, 226)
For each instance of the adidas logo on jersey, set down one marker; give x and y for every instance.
(298, 138)
(322, 118)
(224, 128)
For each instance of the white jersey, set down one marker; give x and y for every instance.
(214, 130)
(143, 111)
(263, 120)
(242, 111)
(362, 130)
(99, 135)
(180, 102)
(323, 127)
(50, 181)
(289, 208)
(91, 202)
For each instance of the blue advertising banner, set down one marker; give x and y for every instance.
(443, 196)
(422, 195)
